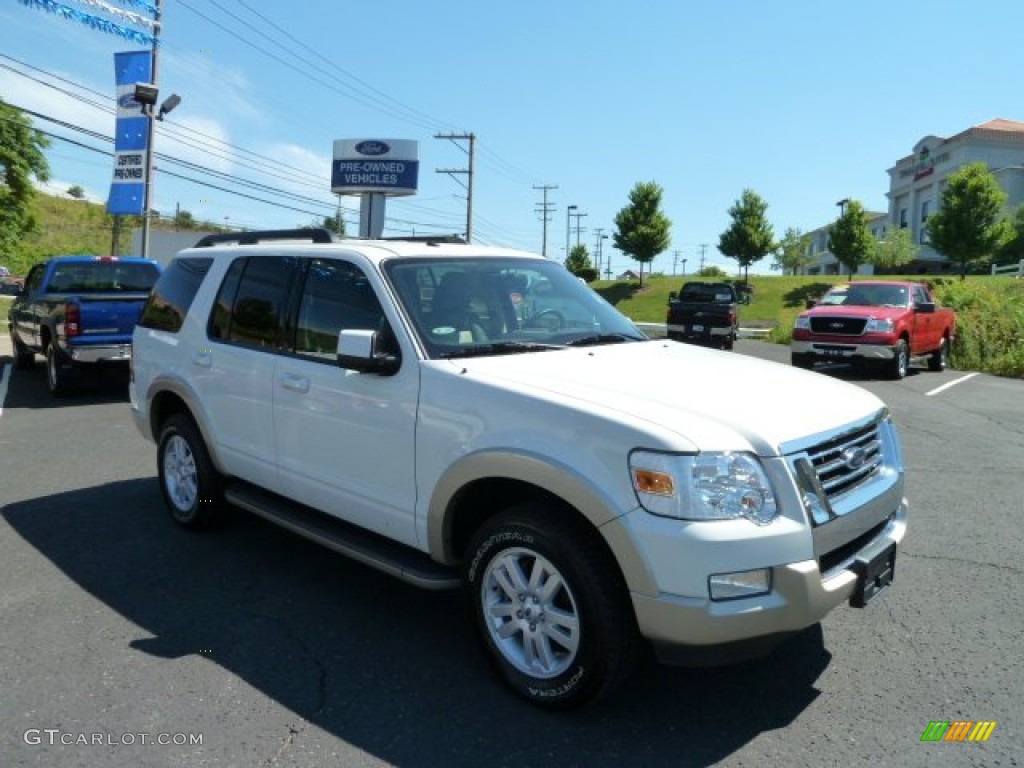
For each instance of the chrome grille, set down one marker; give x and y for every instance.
(847, 461)
(838, 326)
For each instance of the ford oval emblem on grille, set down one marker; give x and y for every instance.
(372, 148)
(854, 458)
(835, 325)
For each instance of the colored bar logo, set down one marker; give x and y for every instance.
(958, 730)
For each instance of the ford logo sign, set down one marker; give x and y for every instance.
(854, 458)
(372, 148)
(127, 101)
(835, 325)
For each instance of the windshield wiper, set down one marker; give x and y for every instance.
(498, 348)
(602, 338)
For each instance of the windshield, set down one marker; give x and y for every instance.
(480, 306)
(868, 296)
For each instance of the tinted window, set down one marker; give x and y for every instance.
(258, 310)
(336, 295)
(35, 278)
(173, 294)
(103, 277)
(220, 319)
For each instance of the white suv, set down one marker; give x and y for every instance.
(458, 415)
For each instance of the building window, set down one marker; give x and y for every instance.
(923, 238)
(903, 218)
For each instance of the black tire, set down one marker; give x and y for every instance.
(190, 484)
(569, 636)
(60, 371)
(24, 358)
(727, 345)
(939, 358)
(900, 363)
(799, 360)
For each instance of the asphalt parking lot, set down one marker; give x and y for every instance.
(119, 631)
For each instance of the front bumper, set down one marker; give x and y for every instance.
(695, 631)
(841, 350)
(101, 353)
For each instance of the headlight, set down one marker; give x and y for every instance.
(707, 486)
(802, 323)
(878, 325)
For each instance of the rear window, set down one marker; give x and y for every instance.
(173, 293)
(103, 277)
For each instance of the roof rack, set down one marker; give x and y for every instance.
(315, 235)
(458, 239)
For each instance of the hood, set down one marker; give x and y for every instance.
(684, 396)
(855, 310)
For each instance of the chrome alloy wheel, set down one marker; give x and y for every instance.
(530, 613)
(181, 479)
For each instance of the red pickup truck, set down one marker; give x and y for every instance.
(880, 322)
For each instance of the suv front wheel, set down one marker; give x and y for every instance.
(189, 483)
(549, 607)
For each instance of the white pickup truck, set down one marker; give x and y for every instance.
(422, 408)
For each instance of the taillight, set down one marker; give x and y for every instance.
(732, 317)
(72, 319)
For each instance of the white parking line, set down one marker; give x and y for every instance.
(949, 384)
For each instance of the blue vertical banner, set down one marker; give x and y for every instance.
(131, 135)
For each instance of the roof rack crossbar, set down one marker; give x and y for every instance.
(316, 235)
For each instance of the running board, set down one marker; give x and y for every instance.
(392, 558)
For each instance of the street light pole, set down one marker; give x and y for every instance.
(147, 191)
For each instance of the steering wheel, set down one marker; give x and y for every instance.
(551, 319)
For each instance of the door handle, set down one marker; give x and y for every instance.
(294, 382)
(202, 359)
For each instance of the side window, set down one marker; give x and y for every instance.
(220, 317)
(35, 278)
(257, 312)
(920, 297)
(336, 295)
(173, 293)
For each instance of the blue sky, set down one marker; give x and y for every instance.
(803, 101)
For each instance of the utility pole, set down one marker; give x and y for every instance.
(675, 261)
(578, 216)
(471, 151)
(703, 248)
(544, 209)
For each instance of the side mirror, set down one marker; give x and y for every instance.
(925, 307)
(358, 351)
(672, 295)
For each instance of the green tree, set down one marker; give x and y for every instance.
(21, 158)
(184, 220)
(849, 238)
(334, 224)
(793, 252)
(578, 259)
(642, 230)
(749, 237)
(896, 249)
(1013, 250)
(76, 192)
(969, 226)
(712, 271)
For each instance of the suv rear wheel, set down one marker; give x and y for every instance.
(189, 483)
(549, 607)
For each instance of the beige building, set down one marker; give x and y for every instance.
(916, 183)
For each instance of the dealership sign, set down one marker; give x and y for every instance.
(387, 166)
(131, 136)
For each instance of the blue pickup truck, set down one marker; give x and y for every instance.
(79, 312)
